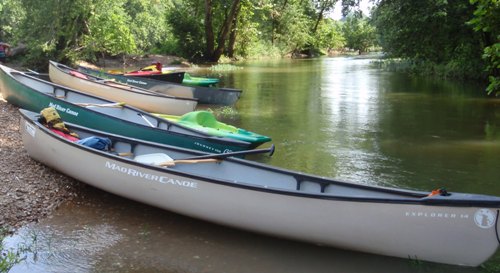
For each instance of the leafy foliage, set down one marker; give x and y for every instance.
(487, 21)
(358, 33)
(187, 28)
(431, 32)
(11, 14)
(330, 36)
(456, 38)
(109, 29)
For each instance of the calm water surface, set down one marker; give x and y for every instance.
(337, 117)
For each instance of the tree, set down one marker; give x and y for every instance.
(323, 6)
(52, 30)
(432, 34)
(108, 29)
(147, 22)
(214, 50)
(487, 21)
(11, 16)
(330, 36)
(187, 28)
(358, 33)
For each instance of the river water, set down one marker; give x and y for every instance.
(338, 117)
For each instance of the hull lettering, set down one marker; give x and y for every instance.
(151, 177)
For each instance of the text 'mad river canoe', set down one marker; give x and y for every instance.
(34, 94)
(134, 96)
(205, 95)
(452, 228)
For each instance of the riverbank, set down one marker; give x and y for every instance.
(29, 191)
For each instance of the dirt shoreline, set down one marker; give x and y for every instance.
(29, 191)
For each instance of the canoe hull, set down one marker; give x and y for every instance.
(444, 234)
(26, 97)
(173, 77)
(146, 101)
(204, 95)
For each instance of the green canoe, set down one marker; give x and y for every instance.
(34, 94)
(206, 122)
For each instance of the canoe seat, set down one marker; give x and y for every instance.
(153, 159)
(202, 118)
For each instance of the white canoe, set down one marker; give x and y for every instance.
(459, 229)
(134, 96)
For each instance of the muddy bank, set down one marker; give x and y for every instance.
(29, 190)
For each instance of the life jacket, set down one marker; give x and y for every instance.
(66, 136)
(51, 118)
(153, 67)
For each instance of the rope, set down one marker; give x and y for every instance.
(496, 226)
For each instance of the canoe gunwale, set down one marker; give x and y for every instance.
(410, 200)
(94, 79)
(230, 95)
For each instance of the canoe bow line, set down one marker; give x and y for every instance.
(496, 226)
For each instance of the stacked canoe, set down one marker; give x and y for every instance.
(205, 95)
(116, 116)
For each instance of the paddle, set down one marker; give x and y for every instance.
(186, 161)
(269, 150)
(214, 157)
(146, 120)
(110, 105)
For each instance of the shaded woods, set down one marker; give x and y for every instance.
(453, 39)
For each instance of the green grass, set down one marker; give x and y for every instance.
(8, 257)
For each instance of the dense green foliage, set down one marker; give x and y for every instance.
(453, 38)
(359, 33)
(200, 30)
(436, 36)
(487, 21)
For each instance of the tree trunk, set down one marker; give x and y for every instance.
(326, 5)
(221, 41)
(209, 32)
(233, 34)
(320, 17)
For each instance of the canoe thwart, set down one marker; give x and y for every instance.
(110, 105)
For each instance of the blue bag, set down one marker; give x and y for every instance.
(99, 143)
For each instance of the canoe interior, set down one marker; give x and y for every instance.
(130, 114)
(67, 70)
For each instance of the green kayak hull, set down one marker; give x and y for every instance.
(199, 81)
(206, 122)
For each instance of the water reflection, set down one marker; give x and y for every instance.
(343, 117)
